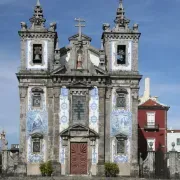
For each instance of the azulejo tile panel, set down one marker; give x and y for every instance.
(36, 122)
(121, 122)
(61, 152)
(64, 109)
(95, 154)
(94, 110)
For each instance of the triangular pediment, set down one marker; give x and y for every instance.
(79, 127)
(60, 70)
(76, 37)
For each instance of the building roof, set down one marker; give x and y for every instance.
(152, 103)
(173, 131)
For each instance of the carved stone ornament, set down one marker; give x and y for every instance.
(52, 26)
(23, 26)
(106, 27)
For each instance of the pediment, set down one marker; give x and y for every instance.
(79, 84)
(59, 70)
(79, 130)
(121, 136)
(76, 36)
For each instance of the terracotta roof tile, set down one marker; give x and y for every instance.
(151, 102)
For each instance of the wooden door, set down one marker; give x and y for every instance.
(78, 158)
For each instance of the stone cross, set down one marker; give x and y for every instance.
(79, 25)
(79, 110)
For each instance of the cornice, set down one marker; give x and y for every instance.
(121, 35)
(36, 34)
(153, 108)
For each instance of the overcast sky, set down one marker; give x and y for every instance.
(158, 53)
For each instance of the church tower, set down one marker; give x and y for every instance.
(78, 104)
(121, 48)
(37, 60)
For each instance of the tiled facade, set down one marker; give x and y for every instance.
(79, 96)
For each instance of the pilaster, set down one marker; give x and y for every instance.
(50, 123)
(107, 124)
(22, 146)
(101, 148)
(134, 139)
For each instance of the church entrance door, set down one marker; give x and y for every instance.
(78, 158)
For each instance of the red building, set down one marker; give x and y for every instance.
(152, 123)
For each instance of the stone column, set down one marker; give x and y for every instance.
(56, 163)
(134, 139)
(101, 148)
(22, 146)
(172, 162)
(107, 124)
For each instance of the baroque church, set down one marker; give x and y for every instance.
(79, 104)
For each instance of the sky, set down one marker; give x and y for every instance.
(158, 47)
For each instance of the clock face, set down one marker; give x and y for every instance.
(36, 146)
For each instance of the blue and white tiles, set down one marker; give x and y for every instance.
(94, 110)
(64, 109)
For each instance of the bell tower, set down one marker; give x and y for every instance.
(120, 44)
(37, 42)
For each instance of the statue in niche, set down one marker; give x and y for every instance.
(79, 59)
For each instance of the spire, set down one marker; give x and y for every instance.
(121, 20)
(38, 19)
(38, 3)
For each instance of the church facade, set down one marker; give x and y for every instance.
(79, 104)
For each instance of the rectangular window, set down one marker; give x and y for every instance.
(121, 54)
(37, 100)
(178, 141)
(36, 146)
(120, 146)
(78, 108)
(37, 53)
(150, 119)
(121, 101)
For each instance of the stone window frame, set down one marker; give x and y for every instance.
(34, 42)
(121, 137)
(37, 90)
(34, 138)
(178, 141)
(79, 92)
(119, 93)
(151, 112)
(125, 43)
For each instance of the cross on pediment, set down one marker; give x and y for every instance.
(80, 25)
(79, 110)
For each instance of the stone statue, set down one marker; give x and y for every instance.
(79, 60)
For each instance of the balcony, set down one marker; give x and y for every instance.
(151, 127)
